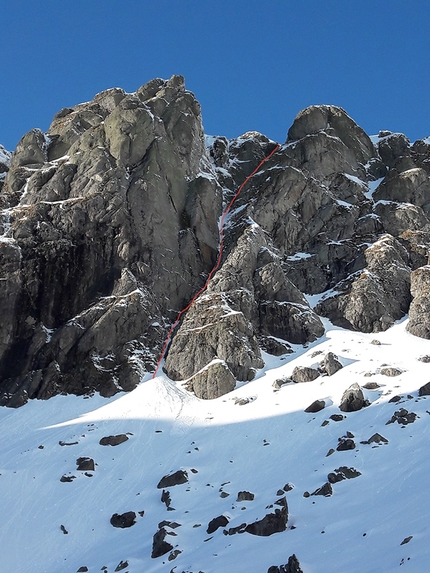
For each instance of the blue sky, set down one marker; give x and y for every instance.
(253, 65)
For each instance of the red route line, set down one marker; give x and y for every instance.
(218, 261)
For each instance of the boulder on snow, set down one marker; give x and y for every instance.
(331, 364)
(315, 407)
(402, 417)
(272, 522)
(123, 520)
(343, 473)
(424, 390)
(85, 464)
(245, 496)
(304, 374)
(293, 566)
(390, 371)
(216, 523)
(113, 440)
(159, 545)
(352, 399)
(177, 478)
(325, 490)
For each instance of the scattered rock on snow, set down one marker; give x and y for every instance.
(331, 364)
(272, 522)
(113, 440)
(406, 540)
(293, 566)
(342, 473)
(85, 464)
(216, 523)
(177, 478)
(424, 390)
(123, 520)
(159, 545)
(245, 496)
(376, 439)
(425, 359)
(352, 399)
(371, 386)
(121, 565)
(403, 417)
(337, 417)
(390, 371)
(66, 479)
(277, 384)
(315, 407)
(345, 444)
(165, 498)
(304, 374)
(326, 490)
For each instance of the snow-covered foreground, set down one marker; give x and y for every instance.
(54, 526)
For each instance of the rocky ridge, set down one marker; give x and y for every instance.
(109, 226)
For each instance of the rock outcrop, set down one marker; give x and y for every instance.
(109, 226)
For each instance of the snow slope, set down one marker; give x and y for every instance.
(226, 446)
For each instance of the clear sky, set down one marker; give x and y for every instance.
(253, 65)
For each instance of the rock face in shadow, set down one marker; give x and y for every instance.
(109, 226)
(112, 222)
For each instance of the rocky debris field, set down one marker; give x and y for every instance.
(109, 226)
(160, 480)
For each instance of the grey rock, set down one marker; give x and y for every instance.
(343, 473)
(402, 417)
(316, 119)
(165, 498)
(331, 364)
(293, 566)
(245, 496)
(121, 565)
(216, 523)
(272, 522)
(85, 464)
(113, 440)
(277, 384)
(376, 439)
(345, 444)
(83, 236)
(123, 520)
(159, 545)
(419, 311)
(212, 381)
(304, 374)
(325, 490)
(390, 371)
(372, 300)
(177, 478)
(315, 407)
(424, 390)
(352, 399)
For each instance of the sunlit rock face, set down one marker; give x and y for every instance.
(110, 225)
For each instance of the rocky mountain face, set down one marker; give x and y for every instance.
(109, 225)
